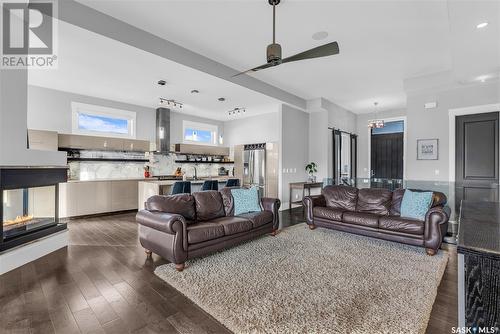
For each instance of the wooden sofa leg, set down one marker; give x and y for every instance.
(179, 266)
(148, 252)
(430, 251)
(312, 226)
(274, 232)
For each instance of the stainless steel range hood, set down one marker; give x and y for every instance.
(162, 130)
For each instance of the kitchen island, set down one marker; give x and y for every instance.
(148, 188)
(478, 250)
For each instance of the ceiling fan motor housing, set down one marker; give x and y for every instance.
(274, 53)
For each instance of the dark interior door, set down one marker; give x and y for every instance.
(476, 169)
(387, 155)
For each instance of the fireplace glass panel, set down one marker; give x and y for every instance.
(28, 209)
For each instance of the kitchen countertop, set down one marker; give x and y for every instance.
(171, 182)
(153, 180)
(112, 179)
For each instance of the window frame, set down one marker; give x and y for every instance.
(96, 110)
(214, 130)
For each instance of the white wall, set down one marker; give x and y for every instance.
(50, 109)
(325, 114)
(434, 123)
(294, 149)
(176, 126)
(363, 135)
(13, 125)
(263, 128)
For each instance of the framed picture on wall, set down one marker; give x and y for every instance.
(427, 149)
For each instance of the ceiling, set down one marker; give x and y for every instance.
(94, 65)
(381, 42)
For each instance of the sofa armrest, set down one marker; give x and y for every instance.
(309, 203)
(161, 221)
(272, 205)
(436, 226)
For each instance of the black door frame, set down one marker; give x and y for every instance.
(337, 140)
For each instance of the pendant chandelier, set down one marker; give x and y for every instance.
(376, 123)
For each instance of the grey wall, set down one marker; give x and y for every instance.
(363, 134)
(294, 148)
(50, 109)
(434, 123)
(262, 128)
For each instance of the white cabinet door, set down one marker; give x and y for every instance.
(124, 195)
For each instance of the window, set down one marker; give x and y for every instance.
(390, 127)
(199, 133)
(96, 120)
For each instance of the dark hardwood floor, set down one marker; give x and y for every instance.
(103, 283)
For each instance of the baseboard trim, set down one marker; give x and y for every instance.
(19, 256)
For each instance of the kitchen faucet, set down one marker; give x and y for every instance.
(195, 172)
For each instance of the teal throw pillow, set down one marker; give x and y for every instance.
(415, 204)
(245, 200)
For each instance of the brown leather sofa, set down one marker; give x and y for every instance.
(376, 213)
(182, 227)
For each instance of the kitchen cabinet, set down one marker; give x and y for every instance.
(136, 145)
(102, 143)
(124, 195)
(95, 197)
(42, 140)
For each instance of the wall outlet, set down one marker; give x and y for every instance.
(436, 171)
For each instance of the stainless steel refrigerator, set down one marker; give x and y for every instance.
(254, 167)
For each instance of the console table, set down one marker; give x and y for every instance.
(478, 250)
(303, 186)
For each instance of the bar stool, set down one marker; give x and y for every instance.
(181, 187)
(233, 183)
(210, 185)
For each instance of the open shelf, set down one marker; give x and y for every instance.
(108, 159)
(203, 162)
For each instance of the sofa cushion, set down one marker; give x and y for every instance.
(397, 197)
(360, 218)
(374, 200)
(200, 232)
(208, 205)
(181, 204)
(324, 212)
(400, 224)
(415, 204)
(246, 200)
(233, 225)
(227, 200)
(340, 197)
(258, 218)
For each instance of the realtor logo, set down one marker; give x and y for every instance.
(28, 31)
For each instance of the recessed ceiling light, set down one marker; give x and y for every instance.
(195, 91)
(221, 99)
(482, 25)
(318, 36)
(162, 82)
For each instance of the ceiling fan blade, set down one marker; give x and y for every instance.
(329, 49)
(255, 69)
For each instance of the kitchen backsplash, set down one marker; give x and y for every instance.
(160, 165)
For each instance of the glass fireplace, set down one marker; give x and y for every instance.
(29, 198)
(28, 209)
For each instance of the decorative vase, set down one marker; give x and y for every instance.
(312, 178)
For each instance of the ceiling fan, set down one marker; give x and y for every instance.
(274, 49)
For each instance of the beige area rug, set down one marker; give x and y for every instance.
(320, 281)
